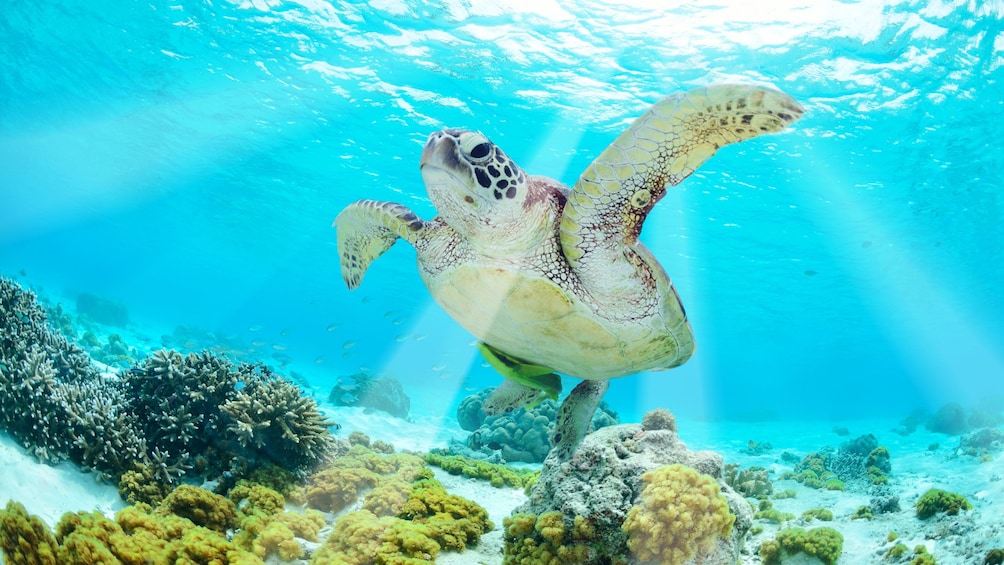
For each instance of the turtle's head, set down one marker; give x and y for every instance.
(474, 185)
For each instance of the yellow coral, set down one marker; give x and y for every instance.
(681, 512)
(202, 507)
(25, 538)
(544, 540)
(387, 498)
(256, 499)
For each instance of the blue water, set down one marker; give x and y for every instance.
(187, 159)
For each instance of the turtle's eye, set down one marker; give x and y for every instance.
(476, 146)
(480, 151)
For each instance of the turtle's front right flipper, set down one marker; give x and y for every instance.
(366, 229)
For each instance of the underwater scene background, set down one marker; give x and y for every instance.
(169, 174)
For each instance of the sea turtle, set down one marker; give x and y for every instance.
(551, 279)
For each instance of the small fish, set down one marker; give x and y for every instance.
(438, 368)
(366, 299)
(390, 313)
(319, 361)
(285, 331)
(346, 355)
(419, 337)
(811, 273)
(259, 343)
(401, 338)
(397, 321)
(348, 345)
(279, 347)
(332, 327)
(255, 328)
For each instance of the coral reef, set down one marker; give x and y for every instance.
(681, 513)
(154, 423)
(523, 435)
(592, 494)
(383, 393)
(406, 516)
(137, 536)
(825, 544)
(937, 501)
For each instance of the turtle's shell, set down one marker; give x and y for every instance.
(524, 313)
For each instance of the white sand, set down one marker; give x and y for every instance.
(49, 491)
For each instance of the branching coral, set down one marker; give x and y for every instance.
(681, 513)
(271, 416)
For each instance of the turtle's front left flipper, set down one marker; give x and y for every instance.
(367, 228)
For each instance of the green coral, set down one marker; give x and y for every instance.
(897, 551)
(834, 484)
(994, 557)
(936, 501)
(818, 514)
(498, 475)
(680, 513)
(825, 544)
(862, 513)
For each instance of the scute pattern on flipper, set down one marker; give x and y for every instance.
(367, 229)
(511, 395)
(612, 198)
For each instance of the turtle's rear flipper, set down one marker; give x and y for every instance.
(536, 377)
(574, 417)
(509, 396)
(367, 229)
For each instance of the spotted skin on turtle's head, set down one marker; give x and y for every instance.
(493, 170)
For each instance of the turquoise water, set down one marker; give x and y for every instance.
(186, 159)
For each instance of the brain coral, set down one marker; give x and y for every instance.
(681, 513)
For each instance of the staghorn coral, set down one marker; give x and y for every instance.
(681, 513)
(271, 416)
(153, 424)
